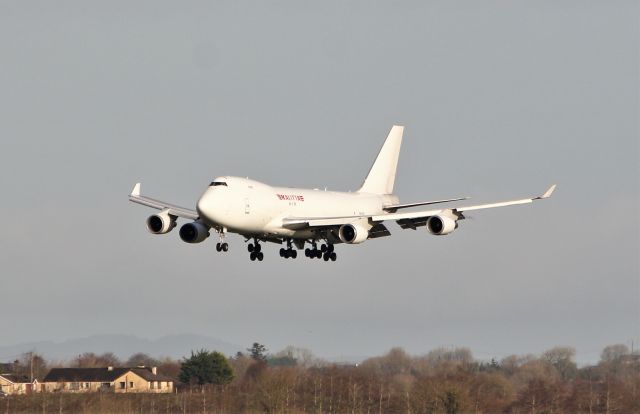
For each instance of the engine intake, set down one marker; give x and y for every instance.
(195, 232)
(161, 223)
(441, 225)
(353, 233)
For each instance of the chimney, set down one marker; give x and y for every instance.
(109, 368)
(154, 370)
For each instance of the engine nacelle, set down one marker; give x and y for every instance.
(161, 223)
(441, 225)
(195, 232)
(353, 233)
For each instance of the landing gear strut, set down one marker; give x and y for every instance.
(255, 251)
(289, 252)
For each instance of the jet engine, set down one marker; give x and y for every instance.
(161, 223)
(195, 232)
(353, 233)
(441, 225)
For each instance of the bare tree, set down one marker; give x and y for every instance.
(91, 360)
(141, 358)
(613, 353)
(561, 357)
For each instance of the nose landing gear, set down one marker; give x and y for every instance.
(222, 246)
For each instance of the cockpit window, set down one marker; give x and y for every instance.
(214, 183)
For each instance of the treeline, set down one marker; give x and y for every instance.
(443, 381)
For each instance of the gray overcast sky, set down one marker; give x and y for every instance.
(499, 99)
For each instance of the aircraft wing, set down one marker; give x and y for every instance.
(414, 219)
(411, 219)
(161, 205)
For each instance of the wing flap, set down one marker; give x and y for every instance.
(303, 223)
(393, 208)
(379, 230)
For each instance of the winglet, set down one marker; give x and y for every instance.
(136, 190)
(548, 193)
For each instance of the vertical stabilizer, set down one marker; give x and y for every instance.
(383, 171)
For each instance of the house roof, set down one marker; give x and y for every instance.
(16, 379)
(147, 374)
(100, 374)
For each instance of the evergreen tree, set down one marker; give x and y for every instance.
(206, 367)
(258, 352)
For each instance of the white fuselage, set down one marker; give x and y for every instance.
(252, 208)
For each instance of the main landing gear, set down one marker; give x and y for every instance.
(289, 252)
(325, 252)
(255, 251)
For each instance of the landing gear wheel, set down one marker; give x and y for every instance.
(282, 252)
(318, 254)
(260, 256)
(257, 248)
(218, 247)
(224, 247)
(293, 254)
(326, 256)
(252, 256)
(250, 247)
(307, 252)
(323, 248)
(333, 256)
(330, 248)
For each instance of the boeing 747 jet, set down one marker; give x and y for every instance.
(297, 217)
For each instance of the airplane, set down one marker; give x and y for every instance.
(295, 217)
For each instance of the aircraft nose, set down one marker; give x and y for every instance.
(205, 205)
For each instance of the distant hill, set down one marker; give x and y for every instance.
(174, 346)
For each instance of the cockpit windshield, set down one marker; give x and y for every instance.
(216, 183)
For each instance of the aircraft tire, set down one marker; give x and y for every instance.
(260, 256)
(333, 256)
(225, 247)
(252, 256)
(294, 254)
(250, 247)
